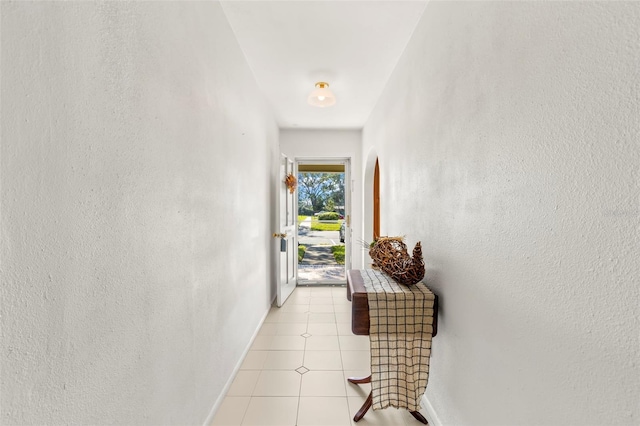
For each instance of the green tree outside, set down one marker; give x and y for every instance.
(321, 190)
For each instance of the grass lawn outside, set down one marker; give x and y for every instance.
(338, 253)
(321, 226)
(301, 251)
(325, 226)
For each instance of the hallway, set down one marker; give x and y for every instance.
(296, 370)
(141, 171)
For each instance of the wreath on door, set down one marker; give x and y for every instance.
(291, 182)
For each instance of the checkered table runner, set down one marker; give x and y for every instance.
(400, 331)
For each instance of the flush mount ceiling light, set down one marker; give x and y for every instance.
(322, 96)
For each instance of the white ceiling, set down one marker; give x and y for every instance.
(352, 45)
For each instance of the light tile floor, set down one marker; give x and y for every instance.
(295, 373)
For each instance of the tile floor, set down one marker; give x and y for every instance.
(296, 370)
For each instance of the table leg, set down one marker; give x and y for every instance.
(419, 417)
(360, 381)
(369, 401)
(365, 407)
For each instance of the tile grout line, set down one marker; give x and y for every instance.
(304, 356)
(340, 351)
(344, 379)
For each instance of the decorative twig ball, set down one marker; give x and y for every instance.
(390, 255)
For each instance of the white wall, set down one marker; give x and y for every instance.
(509, 145)
(333, 144)
(137, 171)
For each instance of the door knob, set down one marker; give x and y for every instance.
(276, 235)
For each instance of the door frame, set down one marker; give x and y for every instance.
(348, 191)
(376, 201)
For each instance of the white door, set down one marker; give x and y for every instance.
(286, 236)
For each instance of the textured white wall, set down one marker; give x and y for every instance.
(333, 144)
(509, 143)
(137, 162)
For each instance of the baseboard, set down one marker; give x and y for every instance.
(226, 387)
(430, 414)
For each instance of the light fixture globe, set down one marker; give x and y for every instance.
(322, 96)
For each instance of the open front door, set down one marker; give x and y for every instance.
(286, 236)
(324, 232)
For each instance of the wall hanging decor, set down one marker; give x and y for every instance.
(291, 182)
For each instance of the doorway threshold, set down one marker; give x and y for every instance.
(322, 284)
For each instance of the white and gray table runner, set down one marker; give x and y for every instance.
(400, 332)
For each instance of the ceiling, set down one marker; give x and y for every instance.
(352, 45)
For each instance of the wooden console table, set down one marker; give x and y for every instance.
(357, 295)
